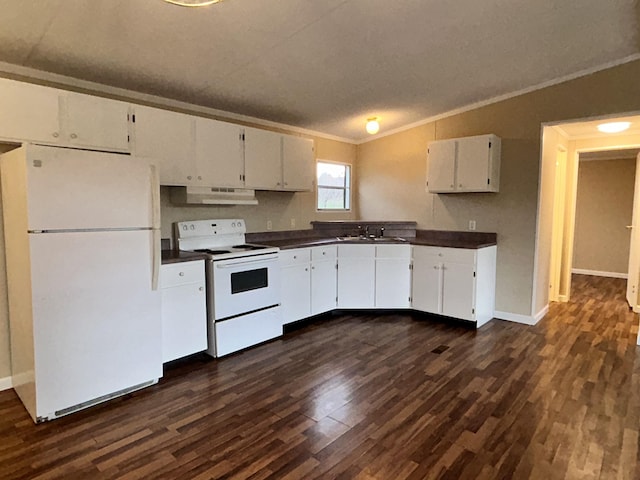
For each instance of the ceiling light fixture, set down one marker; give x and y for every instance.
(372, 125)
(614, 127)
(192, 3)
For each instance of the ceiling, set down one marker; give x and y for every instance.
(323, 66)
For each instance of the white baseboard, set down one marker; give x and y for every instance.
(515, 317)
(540, 315)
(598, 273)
(5, 383)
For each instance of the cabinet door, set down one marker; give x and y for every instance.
(166, 139)
(426, 293)
(218, 153)
(458, 291)
(95, 123)
(29, 112)
(297, 163)
(262, 159)
(393, 283)
(473, 164)
(296, 292)
(356, 276)
(184, 321)
(441, 166)
(324, 283)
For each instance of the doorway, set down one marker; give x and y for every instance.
(563, 146)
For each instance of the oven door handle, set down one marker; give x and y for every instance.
(248, 262)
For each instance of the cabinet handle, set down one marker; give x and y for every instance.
(324, 253)
(278, 184)
(73, 135)
(199, 177)
(313, 268)
(201, 289)
(188, 177)
(451, 185)
(55, 134)
(435, 267)
(285, 184)
(181, 274)
(306, 269)
(460, 185)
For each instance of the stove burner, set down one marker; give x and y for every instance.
(249, 247)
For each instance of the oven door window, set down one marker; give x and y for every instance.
(249, 280)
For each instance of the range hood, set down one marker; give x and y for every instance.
(213, 196)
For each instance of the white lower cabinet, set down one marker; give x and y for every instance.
(308, 279)
(393, 276)
(324, 279)
(184, 312)
(356, 276)
(455, 282)
(295, 281)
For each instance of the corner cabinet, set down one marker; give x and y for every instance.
(455, 282)
(308, 282)
(184, 312)
(459, 165)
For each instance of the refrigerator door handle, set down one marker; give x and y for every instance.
(155, 225)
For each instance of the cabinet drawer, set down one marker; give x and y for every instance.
(183, 273)
(459, 255)
(324, 253)
(393, 251)
(352, 251)
(295, 256)
(446, 254)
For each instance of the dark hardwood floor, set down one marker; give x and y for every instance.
(371, 397)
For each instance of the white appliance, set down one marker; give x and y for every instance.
(243, 284)
(82, 254)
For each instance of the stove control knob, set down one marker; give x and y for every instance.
(192, 226)
(239, 224)
(233, 225)
(184, 227)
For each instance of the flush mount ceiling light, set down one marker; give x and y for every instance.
(192, 3)
(372, 125)
(614, 127)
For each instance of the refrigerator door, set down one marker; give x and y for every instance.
(97, 326)
(77, 190)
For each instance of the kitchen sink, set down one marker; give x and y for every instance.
(363, 239)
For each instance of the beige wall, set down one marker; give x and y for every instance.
(604, 205)
(511, 212)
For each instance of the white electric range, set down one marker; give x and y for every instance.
(243, 284)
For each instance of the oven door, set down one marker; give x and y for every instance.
(245, 284)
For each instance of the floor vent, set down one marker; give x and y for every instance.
(440, 348)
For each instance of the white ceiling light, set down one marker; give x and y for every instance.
(192, 3)
(614, 127)
(372, 125)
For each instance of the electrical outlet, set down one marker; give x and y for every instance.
(269, 225)
(472, 224)
(293, 223)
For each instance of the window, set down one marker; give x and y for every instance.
(334, 186)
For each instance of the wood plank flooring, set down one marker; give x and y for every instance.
(369, 397)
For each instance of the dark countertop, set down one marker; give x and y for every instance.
(171, 256)
(289, 243)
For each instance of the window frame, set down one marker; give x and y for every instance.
(347, 188)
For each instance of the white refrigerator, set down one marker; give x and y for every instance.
(82, 255)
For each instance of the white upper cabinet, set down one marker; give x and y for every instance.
(56, 117)
(297, 163)
(96, 123)
(166, 139)
(274, 161)
(219, 158)
(262, 159)
(29, 112)
(470, 164)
